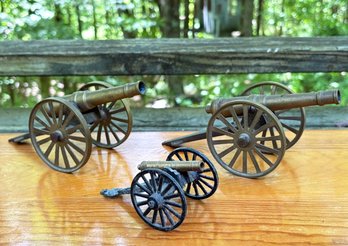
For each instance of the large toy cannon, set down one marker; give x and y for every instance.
(158, 191)
(248, 135)
(62, 129)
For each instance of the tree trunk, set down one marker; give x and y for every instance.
(169, 11)
(247, 18)
(187, 18)
(259, 17)
(79, 21)
(95, 26)
(45, 86)
(58, 15)
(2, 7)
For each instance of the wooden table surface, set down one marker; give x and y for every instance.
(304, 201)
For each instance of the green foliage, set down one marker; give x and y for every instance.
(116, 19)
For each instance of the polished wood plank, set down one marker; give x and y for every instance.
(304, 201)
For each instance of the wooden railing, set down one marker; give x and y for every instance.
(171, 57)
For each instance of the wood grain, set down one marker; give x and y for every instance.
(173, 56)
(303, 202)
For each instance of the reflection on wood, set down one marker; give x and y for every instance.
(303, 201)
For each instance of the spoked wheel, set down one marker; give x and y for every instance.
(158, 199)
(206, 181)
(293, 120)
(235, 138)
(60, 135)
(116, 123)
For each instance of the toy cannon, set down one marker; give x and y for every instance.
(62, 129)
(158, 191)
(248, 135)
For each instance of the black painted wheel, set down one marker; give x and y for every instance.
(60, 135)
(116, 126)
(206, 181)
(158, 199)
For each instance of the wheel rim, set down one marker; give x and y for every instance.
(158, 199)
(286, 117)
(240, 140)
(116, 125)
(206, 181)
(60, 137)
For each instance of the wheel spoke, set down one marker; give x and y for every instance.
(153, 182)
(195, 188)
(147, 211)
(147, 183)
(53, 113)
(77, 148)
(274, 142)
(263, 157)
(206, 183)
(235, 117)
(143, 188)
(179, 157)
(263, 128)
(163, 222)
(43, 141)
(110, 105)
(188, 188)
(174, 204)
(245, 116)
(65, 157)
(68, 119)
(206, 177)
(38, 131)
(142, 203)
(236, 155)
(174, 195)
(99, 133)
(168, 216)
(154, 216)
(222, 131)
(141, 195)
(106, 135)
(253, 159)
(73, 129)
(60, 114)
(245, 162)
(95, 124)
(223, 141)
(114, 134)
(38, 119)
(226, 123)
(76, 138)
(118, 127)
(49, 149)
(166, 189)
(290, 128)
(118, 110)
(226, 151)
(256, 119)
(44, 113)
(201, 187)
(71, 153)
(56, 155)
(119, 119)
(272, 138)
(170, 209)
(267, 149)
(186, 156)
(160, 183)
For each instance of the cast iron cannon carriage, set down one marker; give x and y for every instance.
(158, 190)
(248, 135)
(62, 129)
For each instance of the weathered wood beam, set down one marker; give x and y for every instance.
(179, 119)
(173, 56)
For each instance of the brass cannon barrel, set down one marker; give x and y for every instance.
(281, 102)
(87, 100)
(182, 166)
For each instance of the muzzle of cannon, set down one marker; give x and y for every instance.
(63, 129)
(248, 135)
(158, 191)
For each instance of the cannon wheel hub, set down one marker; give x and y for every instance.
(156, 201)
(244, 140)
(57, 136)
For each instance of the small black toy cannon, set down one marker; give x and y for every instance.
(248, 135)
(62, 129)
(158, 191)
